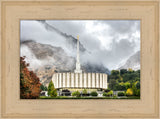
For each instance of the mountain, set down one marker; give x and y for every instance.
(46, 59)
(132, 62)
(71, 42)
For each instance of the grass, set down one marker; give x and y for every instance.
(66, 97)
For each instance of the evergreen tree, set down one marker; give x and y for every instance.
(51, 90)
(44, 88)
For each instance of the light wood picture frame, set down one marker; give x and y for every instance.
(12, 11)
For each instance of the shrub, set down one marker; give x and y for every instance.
(114, 97)
(121, 94)
(110, 93)
(94, 93)
(137, 92)
(84, 92)
(76, 93)
(105, 94)
(129, 92)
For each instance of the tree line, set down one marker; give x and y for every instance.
(125, 80)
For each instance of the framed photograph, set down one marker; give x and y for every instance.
(80, 59)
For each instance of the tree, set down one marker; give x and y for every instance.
(112, 84)
(51, 90)
(131, 77)
(127, 85)
(129, 92)
(123, 71)
(44, 88)
(130, 70)
(138, 85)
(29, 82)
(115, 74)
(120, 86)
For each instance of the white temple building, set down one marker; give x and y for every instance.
(79, 79)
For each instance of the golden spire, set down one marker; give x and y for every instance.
(77, 37)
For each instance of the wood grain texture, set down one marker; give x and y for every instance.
(14, 11)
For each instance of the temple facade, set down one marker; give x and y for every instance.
(79, 79)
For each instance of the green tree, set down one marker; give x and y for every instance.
(127, 85)
(51, 90)
(44, 88)
(130, 70)
(138, 85)
(120, 86)
(123, 71)
(112, 84)
(131, 77)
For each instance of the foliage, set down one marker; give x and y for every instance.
(121, 93)
(51, 90)
(112, 84)
(29, 82)
(67, 97)
(94, 93)
(76, 93)
(123, 71)
(120, 86)
(138, 85)
(84, 92)
(115, 74)
(124, 79)
(110, 93)
(44, 88)
(129, 92)
(105, 94)
(53, 93)
(114, 97)
(127, 85)
(130, 77)
(137, 92)
(130, 70)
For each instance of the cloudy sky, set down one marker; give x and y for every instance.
(111, 42)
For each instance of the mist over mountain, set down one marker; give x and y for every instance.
(50, 45)
(70, 40)
(132, 62)
(46, 59)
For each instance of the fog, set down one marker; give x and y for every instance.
(107, 42)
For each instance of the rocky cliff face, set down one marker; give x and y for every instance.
(45, 60)
(133, 62)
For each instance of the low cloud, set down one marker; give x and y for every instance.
(108, 42)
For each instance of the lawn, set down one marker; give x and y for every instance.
(66, 97)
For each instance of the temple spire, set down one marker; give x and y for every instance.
(78, 67)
